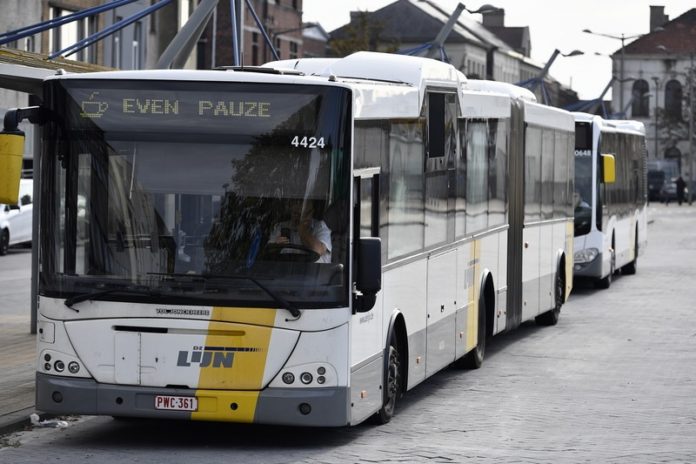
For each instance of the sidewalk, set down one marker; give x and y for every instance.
(17, 368)
(17, 364)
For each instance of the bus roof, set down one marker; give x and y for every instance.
(384, 85)
(375, 66)
(613, 125)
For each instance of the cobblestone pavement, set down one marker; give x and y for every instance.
(613, 382)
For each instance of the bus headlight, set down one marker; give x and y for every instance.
(585, 256)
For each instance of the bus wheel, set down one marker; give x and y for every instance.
(393, 382)
(4, 242)
(632, 267)
(474, 358)
(606, 281)
(551, 317)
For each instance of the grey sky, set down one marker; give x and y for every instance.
(553, 24)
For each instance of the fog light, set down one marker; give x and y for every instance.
(57, 397)
(73, 367)
(305, 408)
(306, 378)
(321, 379)
(59, 366)
(321, 370)
(288, 378)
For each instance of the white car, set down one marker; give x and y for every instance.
(15, 220)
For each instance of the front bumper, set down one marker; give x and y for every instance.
(592, 269)
(329, 407)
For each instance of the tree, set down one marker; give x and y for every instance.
(361, 34)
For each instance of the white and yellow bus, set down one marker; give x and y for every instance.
(611, 221)
(163, 293)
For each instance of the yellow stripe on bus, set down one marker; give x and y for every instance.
(241, 346)
(473, 307)
(570, 233)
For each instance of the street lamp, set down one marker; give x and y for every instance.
(534, 82)
(623, 38)
(436, 46)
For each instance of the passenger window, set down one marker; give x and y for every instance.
(436, 125)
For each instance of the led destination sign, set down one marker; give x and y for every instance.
(216, 109)
(241, 109)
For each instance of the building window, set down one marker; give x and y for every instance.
(639, 105)
(70, 33)
(277, 47)
(254, 48)
(116, 49)
(92, 28)
(137, 40)
(673, 100)
(293, 50)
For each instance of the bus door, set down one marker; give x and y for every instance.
(440, 195)
(366, 329)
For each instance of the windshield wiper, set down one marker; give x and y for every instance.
(278, 299)
(73, 300)
(285, 304)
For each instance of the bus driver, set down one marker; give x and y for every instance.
(303, 229)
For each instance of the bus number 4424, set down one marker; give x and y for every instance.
(307, 142)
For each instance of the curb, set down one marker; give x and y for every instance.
(19, 420)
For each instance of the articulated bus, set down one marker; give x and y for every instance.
(611, 225)
(163, 292)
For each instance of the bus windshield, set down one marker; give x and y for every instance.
(198, 192)
(583, 192)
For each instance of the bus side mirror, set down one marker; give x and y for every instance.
(608, 169)
(11, 153)
(368, 279)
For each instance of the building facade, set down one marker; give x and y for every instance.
(658, 85)
(281, 19)
(481, 50)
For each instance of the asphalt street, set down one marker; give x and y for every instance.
(613, 382)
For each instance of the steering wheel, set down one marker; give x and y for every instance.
(290, 252)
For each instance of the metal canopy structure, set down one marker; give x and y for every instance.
(24, 71)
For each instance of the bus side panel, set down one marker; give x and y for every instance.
(404, 291)
(530, 271)
(465, 293)
(625, 231)
(366, 355)
(501, 284)
(547, 266)
(441, 310)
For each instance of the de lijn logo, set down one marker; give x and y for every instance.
(211, 356)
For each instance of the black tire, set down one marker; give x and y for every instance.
(393, 383)
(474, 358)
(632, 267)
(4, 242)
(606, 281)
(551, 317)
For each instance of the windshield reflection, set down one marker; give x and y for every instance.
(224, 219)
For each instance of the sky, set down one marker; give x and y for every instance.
(552, 24)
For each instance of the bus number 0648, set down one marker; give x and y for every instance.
(307, 142)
